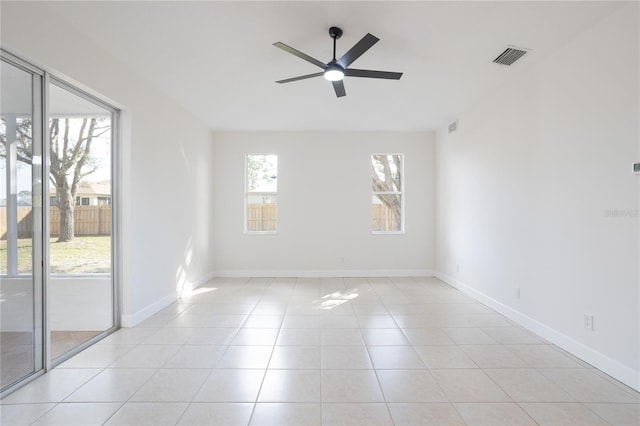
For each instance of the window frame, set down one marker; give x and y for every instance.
(248, 193)
(400, 193)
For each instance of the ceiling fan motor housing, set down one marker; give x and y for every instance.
(335, 32)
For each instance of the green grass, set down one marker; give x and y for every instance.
(83, 255)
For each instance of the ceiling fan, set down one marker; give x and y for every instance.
(336, 69)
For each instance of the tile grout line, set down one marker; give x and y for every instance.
(396, 292)
(266, 369)
(182, 345)
(375, 371)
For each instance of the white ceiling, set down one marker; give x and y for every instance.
(216, 59)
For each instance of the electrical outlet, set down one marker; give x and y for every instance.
(588, 322)
(517, 294)
(457, 267)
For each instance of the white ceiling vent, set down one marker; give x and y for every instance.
(510, 55)
(453, 126)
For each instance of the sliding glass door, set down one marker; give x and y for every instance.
(81, 294)
(21, 215)
(58, 291)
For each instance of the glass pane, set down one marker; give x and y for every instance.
(261, 213)
(24, 194)
(386, 173)
(386, 213)
(80, 220)
(262, 173)
(20, 213)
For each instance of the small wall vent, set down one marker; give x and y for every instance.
(510, 55)
(453, 126)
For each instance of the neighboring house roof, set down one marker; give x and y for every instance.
(99, 189)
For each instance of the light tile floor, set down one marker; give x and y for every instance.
(324, 351)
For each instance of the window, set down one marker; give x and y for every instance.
(261, 193)
(82, 201)
(387, 193)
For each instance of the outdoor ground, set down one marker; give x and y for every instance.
(83, 255)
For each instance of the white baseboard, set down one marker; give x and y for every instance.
(204, 279)
(613, 368)
(137, 317)
(323, 273)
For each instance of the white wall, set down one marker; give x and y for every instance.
(165, 159)
(526, 190)
(324, 206)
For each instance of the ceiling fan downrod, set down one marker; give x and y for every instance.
(335, 34)
(334, 72)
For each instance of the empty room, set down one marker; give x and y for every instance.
(320, 213)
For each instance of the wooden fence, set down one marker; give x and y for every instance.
(96, 220)
(88, 220)
(383, 218)
(261, 217)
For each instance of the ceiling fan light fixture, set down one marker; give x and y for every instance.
(334, 72)
(337, 69)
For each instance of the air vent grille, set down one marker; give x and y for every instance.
(510, 55)
(453, 126)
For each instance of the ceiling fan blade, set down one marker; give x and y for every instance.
(338, 86)
(302, 77)
(373, 74)
(357, 50)
(300, 55)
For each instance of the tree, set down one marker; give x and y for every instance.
(387, 185)
(261, 172)
(70, 159)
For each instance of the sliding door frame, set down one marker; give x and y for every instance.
(41, 257)
(115, 218)
(39, 237)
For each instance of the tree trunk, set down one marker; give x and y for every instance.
(66, 203)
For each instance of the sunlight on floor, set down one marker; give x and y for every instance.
(188, 292)
(334, 299)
